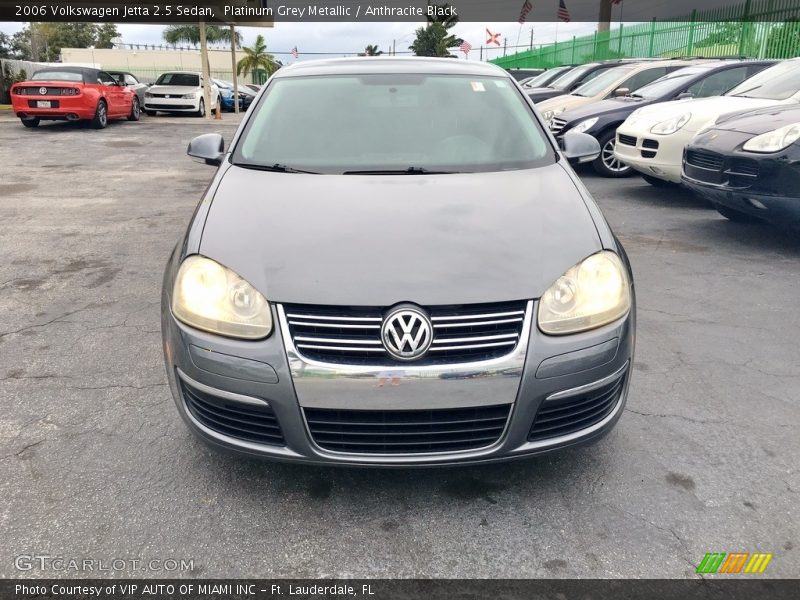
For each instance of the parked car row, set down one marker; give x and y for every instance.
(61, 93)
(727, 129)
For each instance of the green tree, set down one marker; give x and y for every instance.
(5, 45)
(371, 50)
(175, 34)
(723, 34)
(435, 38)
(44, 41)
(256, 58)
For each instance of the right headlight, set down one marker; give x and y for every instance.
(775, 140)
(585, 125)
(190, 95)
(593, 293)
(213, 298)
(672, 125)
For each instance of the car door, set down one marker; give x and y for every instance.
(119, 101)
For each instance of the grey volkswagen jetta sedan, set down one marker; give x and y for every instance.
(395, 264)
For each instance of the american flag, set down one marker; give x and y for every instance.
(465, 47)
(295, 53)
(527, 7)
(563, 13)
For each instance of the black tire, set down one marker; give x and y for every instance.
(30, 123)
(136, 111)
(150, 113)
(100, 120)
(656, 182)
(736, 216)
(605, 164)
(201, 108)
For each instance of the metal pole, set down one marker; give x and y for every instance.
(233, 69)
(205, 68)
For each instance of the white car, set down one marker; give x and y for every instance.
(179, 91)
(652, 139)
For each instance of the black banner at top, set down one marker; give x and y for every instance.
(525, 11)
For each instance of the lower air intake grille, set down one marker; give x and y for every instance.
(562, 417)
(234, 419)
(352, 335)
(628, 140)
(406, 431)
(704, 159)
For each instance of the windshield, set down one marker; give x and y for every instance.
(223, 84)
(546, 77)
(57, 76)
(599, 84)
(567, 79)
(182, 79)
(775, 83)
(667, 85)
(393, 123)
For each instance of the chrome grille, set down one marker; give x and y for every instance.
(556, 125)
(352, 335)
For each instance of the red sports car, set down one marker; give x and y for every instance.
(73, 94)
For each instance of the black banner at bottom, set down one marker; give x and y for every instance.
(383, 589)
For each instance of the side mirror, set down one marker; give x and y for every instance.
(621, 92)
(684, 95)
(209, 148)
(579, 147)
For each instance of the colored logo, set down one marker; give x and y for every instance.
(734, 562)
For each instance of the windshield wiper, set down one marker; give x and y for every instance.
(408, 171)
(277, 168)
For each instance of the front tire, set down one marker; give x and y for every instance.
(656, 182)
(735, 215)
(607, 164)
(201, 108)
(30, 123)
(100, 120)
(136, 111)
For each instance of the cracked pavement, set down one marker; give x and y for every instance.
(95, 462)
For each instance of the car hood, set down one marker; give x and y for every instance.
(603, 108)
(173, 89)
(704, 111)
(760, 120)
(563, 103)
(379, 240)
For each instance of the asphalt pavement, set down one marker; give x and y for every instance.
(95, 463)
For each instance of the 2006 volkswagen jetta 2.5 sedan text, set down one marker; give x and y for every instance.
(395, 265)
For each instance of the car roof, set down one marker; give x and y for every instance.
(89, 74)
(390, 64)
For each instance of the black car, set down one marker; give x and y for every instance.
(601, 119)
(748, 165)
(573, 78)
(520, 74)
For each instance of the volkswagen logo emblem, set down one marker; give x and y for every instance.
(43, 91)
(406, 333)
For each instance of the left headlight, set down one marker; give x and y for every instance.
(585, 125)
(775, 140)
(593, 293)
(190, 95)
(671, 125)
(213, 298)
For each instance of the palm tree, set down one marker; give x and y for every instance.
(175, 34)
(257, 58)
(371, 50)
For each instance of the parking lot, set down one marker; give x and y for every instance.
(96, 463)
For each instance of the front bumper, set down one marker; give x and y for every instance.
(654, 155)
(172, 104)
(545, 375)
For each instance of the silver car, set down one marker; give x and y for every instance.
(395, 264)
